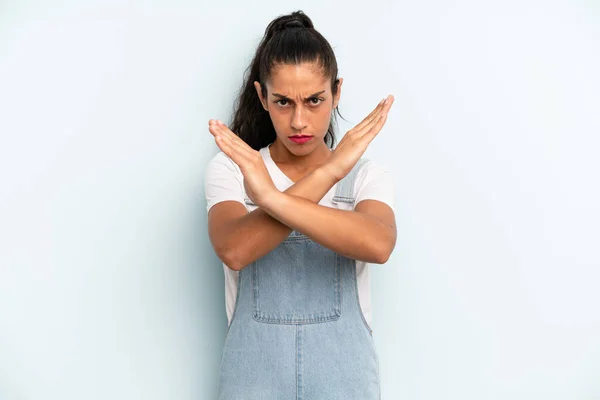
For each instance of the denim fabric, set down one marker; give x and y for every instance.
(297, 330)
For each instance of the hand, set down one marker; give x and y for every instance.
(257, 181)
(353, 145)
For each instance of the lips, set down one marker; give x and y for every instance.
(299, 139)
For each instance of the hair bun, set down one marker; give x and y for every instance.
(295, 23)
(297, 19)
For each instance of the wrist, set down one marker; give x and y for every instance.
(328, 172)
(270, 201)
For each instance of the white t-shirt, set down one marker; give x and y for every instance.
(224, 181)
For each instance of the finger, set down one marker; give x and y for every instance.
(216, 131)
(214, 123)
(375, 122)
(228, 142)
(382, 107)
(213, 130)
(220, 126)
(221, 138)
(238, 144)
(375, 129)
(369, 122)
(225, 148)
(237, 156)
(237, 149)
(219, 129)
(368, 125)
(369, 118)
(388, 103)
(235, 139)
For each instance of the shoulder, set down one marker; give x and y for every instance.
(223, 181)
(221, 161)
(371, 170)
(222, 174)
(222, 167)
(374, 181)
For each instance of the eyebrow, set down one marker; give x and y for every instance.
(309, 97)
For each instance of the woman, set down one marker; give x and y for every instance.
(296, 224)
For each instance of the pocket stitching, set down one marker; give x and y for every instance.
(326, 316)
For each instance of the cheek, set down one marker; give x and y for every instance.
(277, 117)
(324, 116)
(280, 121)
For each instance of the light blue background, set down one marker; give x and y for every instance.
(109, 288)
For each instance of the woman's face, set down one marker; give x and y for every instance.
(300, 103)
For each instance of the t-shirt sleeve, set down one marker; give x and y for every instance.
(223, 181)
(374, 182)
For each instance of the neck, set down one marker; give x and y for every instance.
(280, 154)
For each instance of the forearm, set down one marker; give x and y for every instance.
(353, 234)
(252, 236)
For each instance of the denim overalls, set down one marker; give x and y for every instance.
(297, 330)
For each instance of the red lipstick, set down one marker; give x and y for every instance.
(300, 139)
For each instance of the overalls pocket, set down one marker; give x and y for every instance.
(297, 283)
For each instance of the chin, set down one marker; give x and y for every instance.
(302, 150)
(299, 150)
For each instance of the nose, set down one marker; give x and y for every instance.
(298, 119)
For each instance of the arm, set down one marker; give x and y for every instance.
(368, 233)
(239, 237)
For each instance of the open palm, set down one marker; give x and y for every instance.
(353, 145)
(257, 181)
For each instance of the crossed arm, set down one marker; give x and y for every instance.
(368, 233)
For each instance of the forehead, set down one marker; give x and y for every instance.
(297, 79)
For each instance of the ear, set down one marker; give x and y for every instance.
(336, 98)
(260, 96)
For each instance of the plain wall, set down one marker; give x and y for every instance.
(109, 288)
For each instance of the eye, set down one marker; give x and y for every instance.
(282, 100)
(315, 101)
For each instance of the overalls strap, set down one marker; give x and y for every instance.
(345, 189)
